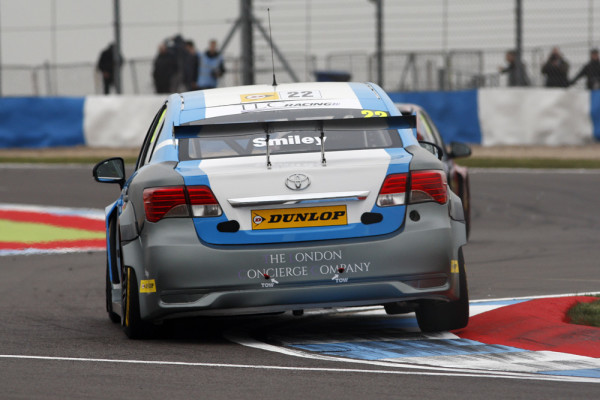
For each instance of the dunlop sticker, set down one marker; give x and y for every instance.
(299, 217)
(147, 286)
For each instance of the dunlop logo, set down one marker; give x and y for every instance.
(299, 217)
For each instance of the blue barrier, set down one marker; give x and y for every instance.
(41, 121)
(595, 112)
(454, 113)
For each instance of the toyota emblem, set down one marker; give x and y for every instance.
(297, 182)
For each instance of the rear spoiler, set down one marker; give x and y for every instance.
(206, 128)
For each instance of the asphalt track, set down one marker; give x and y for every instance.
(534, 233)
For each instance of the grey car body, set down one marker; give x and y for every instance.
(406, 258)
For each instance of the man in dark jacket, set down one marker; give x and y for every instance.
(591, 71)
(165, 69)
(556, 70)
(517, 74)
(106, 67)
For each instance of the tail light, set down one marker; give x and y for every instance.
(422, 186)
(428, 186)
(393, 191)
(180, 201)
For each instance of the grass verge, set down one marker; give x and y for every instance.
(542, 163)
(585, 314)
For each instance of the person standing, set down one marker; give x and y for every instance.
(556, 70)
(106, 66)
(210, 67)
(190, 66)
(591, 71)
(517, 74)
(164, 70)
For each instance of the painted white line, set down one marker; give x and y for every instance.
(304, 369)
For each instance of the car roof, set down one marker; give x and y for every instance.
(235, 100)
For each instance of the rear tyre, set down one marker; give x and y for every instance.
(113, 316)
(133, 325)
(435, 316)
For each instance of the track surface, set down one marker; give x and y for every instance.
(533, 234)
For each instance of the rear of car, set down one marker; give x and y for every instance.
(267, 199)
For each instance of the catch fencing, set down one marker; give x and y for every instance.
(403, 71)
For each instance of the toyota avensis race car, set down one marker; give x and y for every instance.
(266, 199)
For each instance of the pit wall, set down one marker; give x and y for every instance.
(501, 116)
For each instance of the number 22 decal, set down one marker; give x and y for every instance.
(369, 113)
(304, 93)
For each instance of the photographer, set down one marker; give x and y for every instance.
(556, 70)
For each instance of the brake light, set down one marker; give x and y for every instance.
(424, 186)
(180, 201)
(393, 191)
(428, 186)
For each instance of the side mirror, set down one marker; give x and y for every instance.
(110, 171)
(458, 150)
(432, 148)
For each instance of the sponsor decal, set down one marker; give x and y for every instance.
(147, 286)
(322, 264)
(289, 140)
(454, 266)
(267, 96)
(273, 96)
(289, 104)
(282, 218)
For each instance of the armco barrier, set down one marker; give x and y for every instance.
(500, 116)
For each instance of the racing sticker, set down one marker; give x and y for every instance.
(267, 96)
(299, 217)
(147, 286)
(454, 266)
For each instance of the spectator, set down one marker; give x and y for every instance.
(106, 66)
(591, 71)
(165, 70)
(190, 66)
(210, 67)
(556, 70)
(516, 76)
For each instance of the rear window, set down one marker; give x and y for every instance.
(253, 144)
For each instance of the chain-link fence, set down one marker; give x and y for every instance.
(429, 44)
(403, 71)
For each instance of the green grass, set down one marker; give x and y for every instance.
(529, 163)
(585, 314)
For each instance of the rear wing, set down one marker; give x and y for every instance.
(205, 128)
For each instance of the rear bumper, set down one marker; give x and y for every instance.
(192, 278)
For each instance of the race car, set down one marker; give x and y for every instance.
(267, 199)
(458, 175)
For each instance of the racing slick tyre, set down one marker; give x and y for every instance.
(133, 325)
(435, 316)
(113, 316)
